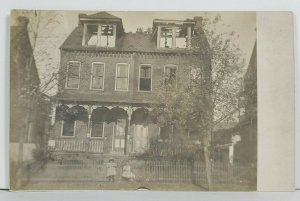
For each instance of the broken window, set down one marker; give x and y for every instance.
(170, 75)
(91, 36)
(97, 129)
(145, 78)
(122, 77)
(73, 74)
(181, 37)
(97, 76)
(107, 38)
(166, 37)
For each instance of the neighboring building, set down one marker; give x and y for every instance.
(109, 79)
(248, 122)
(27, 122)
(238, 141)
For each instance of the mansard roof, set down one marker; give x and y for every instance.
(99, 15)
(125, 42)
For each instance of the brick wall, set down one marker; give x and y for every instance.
(158, 61)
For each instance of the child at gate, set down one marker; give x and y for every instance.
(111, 170)
(127, 174)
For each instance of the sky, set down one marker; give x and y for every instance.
(55, 26)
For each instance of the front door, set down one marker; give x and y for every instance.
(140, 138)
(119, 136)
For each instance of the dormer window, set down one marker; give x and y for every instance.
(101, 35)
(181, 37)
(173, 33)
(166, 37)
(91, 36)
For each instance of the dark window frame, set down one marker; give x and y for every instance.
(145, 78)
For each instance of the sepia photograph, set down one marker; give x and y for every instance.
(133, 100)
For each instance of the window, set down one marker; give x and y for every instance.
(165, 132)
(122, 77)
(91, 36)
(97, 129)
(181, 37)
(97, 76)
(166, 37)
(68, 128)
(174, 37)
(170, 75)
(107, 38)
(99, 35)
(145, 78)
(73, 75)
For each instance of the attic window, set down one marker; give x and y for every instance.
(166, 37)
(91, 36)
(181, 37)
(178, 36)
(107, 38)
(99, 35)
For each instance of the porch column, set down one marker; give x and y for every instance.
(129, 113)
(53, 113)
(158, 36)
(88, 135)
(173, 37)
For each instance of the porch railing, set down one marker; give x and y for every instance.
(77, 145)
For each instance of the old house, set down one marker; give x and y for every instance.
(108, 82)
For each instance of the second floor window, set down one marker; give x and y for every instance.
(145, 78)
(170, 75)
(122, 77)
(97, 79)
(73, 75)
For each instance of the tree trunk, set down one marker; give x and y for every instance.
(208, 168)
(20, 170)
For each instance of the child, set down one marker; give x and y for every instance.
(127, 174)
(111, 170)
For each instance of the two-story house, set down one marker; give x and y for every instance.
(109, 78)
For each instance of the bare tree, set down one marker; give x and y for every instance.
(40, 32)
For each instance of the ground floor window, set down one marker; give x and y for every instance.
(97, 129)
(68, 128)
(165, 132)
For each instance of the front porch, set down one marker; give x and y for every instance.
(102, 129)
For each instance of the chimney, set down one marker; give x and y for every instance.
(23, 21)
(198, 19)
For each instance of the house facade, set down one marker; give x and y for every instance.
(108, 82)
